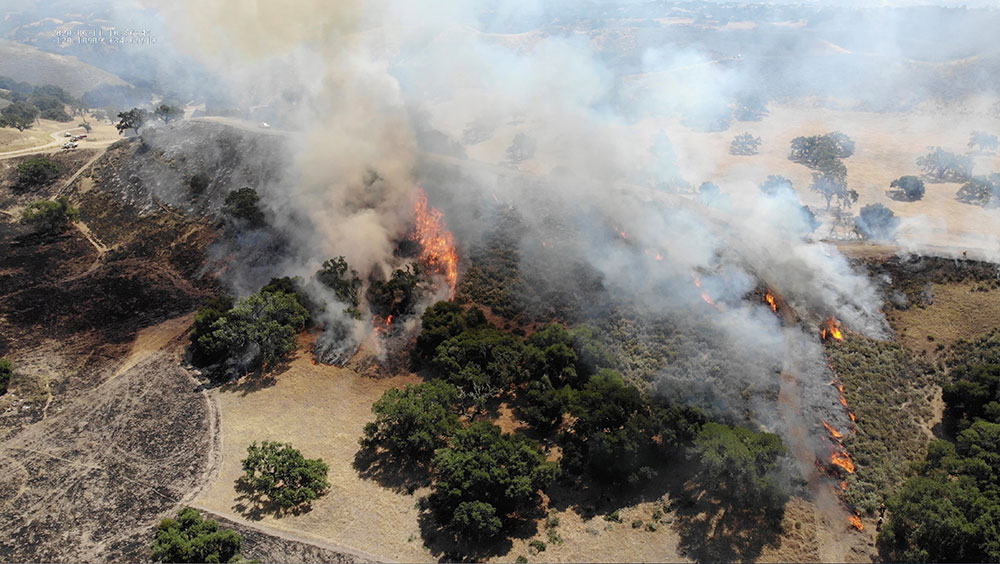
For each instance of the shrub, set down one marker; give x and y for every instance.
(614, 517)
(908, 188)
(281, 473)
(941, 166)
(538, 545)
(876, 222)
(983, 191)
(397, 296)
(189, 538)
(199, 182)
(6, 371)
(35, 172)
(415, 421)
(257, 332)
(242, 204)
(49, 216)
(487, 474)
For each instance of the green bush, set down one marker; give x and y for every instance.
(243, 204)
(256, 333)
(487, 474)
(744, 462)
(189, 538)
(35, 172)
(397, 296)
(537, 545)
(415, 421)
(281, 473)
(49, 216)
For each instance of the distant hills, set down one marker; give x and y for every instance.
(29, 64)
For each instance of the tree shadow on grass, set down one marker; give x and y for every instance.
(395, 473)
(446, 547)
(713, 530)
(254, 506)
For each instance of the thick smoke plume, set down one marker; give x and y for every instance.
(475, 104)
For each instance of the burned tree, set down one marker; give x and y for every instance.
(744, 144)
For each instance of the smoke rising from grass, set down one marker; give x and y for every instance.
(371, 90)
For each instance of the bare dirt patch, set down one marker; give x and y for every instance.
(87, 483)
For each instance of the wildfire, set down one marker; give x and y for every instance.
(856, 522)
(769, 298)
(381, 326)
(843, 461)
(437, 242)
(704, 294)
(831, 329)
(833, 432)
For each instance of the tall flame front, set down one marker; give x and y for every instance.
(436, 242)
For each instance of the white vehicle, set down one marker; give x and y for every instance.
(69, 145)
(67, 134)
(265, 125)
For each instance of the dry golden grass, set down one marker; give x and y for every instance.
(958, 312)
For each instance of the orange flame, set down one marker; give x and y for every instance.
(704, 294)
(831, 328)
(856, 522)
(769, 298)
(843, 461)
(437, 242)
(843, 485)
(833, 432)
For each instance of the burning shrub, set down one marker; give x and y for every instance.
(334, 275)
(413, 422)
(876, 222)
(397, 296)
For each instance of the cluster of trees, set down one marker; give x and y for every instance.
(981, 191)
(36, 172)
(282, 475)
(255, 333)
(50, 217)
(563, 384)
(950, 511)
(397, 296)
(942, 166)
(190, 538)
(6, 372)
(744, 144)
(823, 154)
(31, 103)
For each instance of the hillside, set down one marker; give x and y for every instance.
(34, 66)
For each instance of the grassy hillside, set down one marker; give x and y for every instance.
(29, 64)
